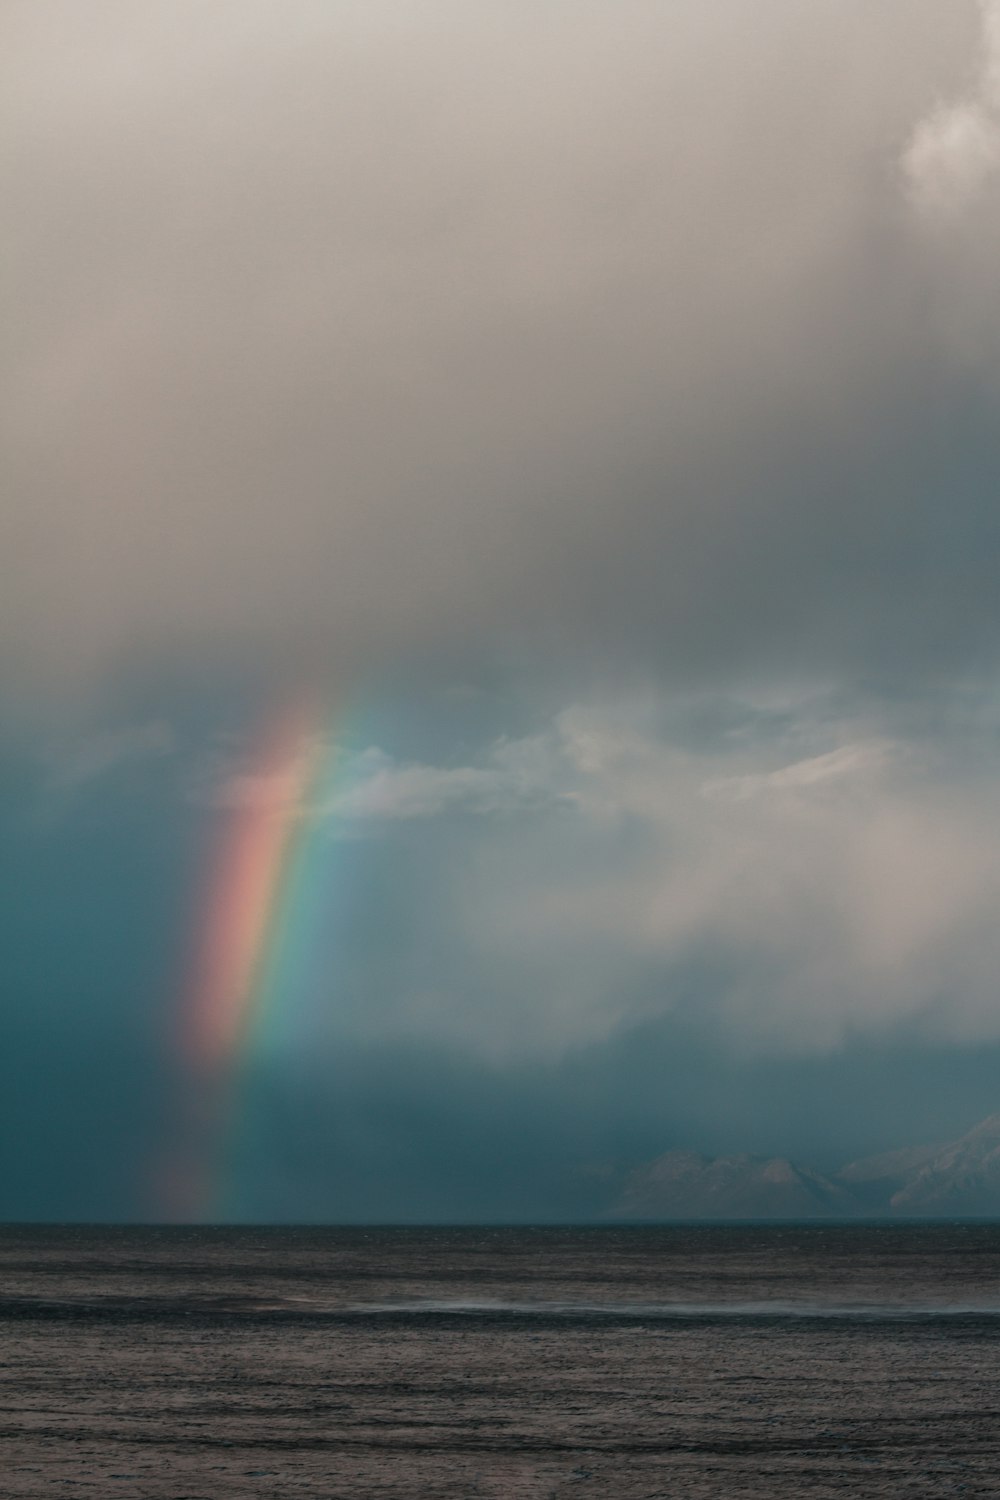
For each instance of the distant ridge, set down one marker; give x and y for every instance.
(961, 1178)
(957, 1179)
(687, 1185)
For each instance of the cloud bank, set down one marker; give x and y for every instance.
(347, 335)
(791, 883)
(839, 894)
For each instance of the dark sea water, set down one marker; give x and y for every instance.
(682, 1362)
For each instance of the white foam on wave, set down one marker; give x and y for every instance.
(666, 1311)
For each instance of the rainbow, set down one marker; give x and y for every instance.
(255, 895)
(251, 868)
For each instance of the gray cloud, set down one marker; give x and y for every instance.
(844, 892)
(345, 333)
(831, 865)
(830, 871)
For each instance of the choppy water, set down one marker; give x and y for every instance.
(721, 1361)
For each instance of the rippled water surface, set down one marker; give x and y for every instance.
(724, 1361)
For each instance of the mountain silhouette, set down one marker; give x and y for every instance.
(687, 1185)
(958, 1179)
(954, 1179)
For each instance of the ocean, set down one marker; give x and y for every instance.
(679, 1361)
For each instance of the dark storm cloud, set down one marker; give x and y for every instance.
(346, 330)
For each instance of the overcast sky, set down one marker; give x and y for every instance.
(592, 408)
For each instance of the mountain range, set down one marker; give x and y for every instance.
(955, 1179)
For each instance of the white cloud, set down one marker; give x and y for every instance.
(954, 152)
(845, 760)
(850, 890)
(514, 775)
(373, 786)
(952, 156)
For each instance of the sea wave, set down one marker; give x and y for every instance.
(675, 1311)
(322, 1308)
